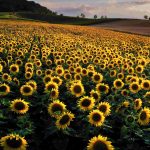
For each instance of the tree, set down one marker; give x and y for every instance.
(82, 15)
(95, 16)
(145, 17)
(102, 17)
(105, 17)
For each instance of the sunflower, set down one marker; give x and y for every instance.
(51, 85)
(128, 77)
(26, 90)
(39, 72)
(6, 77)
(78, 70)
(4, 89)
(56, 108)
(101, 87)
(77, 77)
(28, 75)
(48, 72)
(14, 68)
(130, 70)
(57, 80)
(134, 87)
(95, 95)
(33, 84)
(125, 104)
(13, 142)
(19, 62)
(134, 79)
(96, 118)
(59, 71)
(113, 73)
(120, 76)
(54, 94)
(67, 76)
(16, 81)
(86, 103)
(99, 143)
(84, 72)
(19, 106)
(1, 68)
(104, 107)
(47, 79)
(147, 96)
(77, 89)
(144, 116)
(124, 92)
(139, 69)
(97, 77)
(64, 120)
(29, 64)
(145, 84)
(137, 104)
(118, 84)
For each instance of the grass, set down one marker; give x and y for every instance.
(53, 18)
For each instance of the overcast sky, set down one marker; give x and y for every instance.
(111, 8)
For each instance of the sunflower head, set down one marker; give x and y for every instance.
(86, 103)
(134, 87)
(96, 118)
(95, 94)
(28, 75)
(139, 69)
(77, 89)
(64, 120)
(104, 107)
(124, 92)
(99, 143)
(19, 106)
(26, 90)
(113, 73)
(33, 84)
(97, 77)
(147, 96)
(6, 77)
(102, 88)
(56, 108)
(13, 142)
(50, 85)
(145, 85)
(137, 104)
(57, 80)
(144, 116)
(47, 79)
(4, 89)
(14, 68)
(118, 84)
(54, 94)
(1, 68)
(59, 71)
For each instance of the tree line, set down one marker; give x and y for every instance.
(23, 6)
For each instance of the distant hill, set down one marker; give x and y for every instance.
(23, 6)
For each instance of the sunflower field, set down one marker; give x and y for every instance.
(73, 88)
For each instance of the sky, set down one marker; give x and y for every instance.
(110, 8)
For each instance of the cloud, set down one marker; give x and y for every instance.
(111, 8)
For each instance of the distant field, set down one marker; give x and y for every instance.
(54, 19)
(128, 25)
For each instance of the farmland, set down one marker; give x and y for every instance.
(73, 88)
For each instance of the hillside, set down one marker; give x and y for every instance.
(128, 25)
(22, 6)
